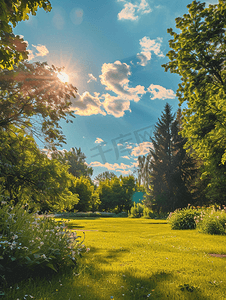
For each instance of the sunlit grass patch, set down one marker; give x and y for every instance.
(138, 259)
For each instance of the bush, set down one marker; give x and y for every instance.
(183, 219)
(212, 222)
(136, 210)
(30, 245)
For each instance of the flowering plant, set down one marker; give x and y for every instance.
(30, 244)
(183, 218)
(212, 221)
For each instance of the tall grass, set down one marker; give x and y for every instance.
(136, 259)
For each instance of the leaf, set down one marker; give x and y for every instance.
(28, 258)
(51, 266)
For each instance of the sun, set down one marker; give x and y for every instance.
(63, 77)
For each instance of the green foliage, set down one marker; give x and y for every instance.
(13, 48)
(75, 159)
(136, 210)
(103, 176)
(148, 213)
(88, 197)
(35, 90)
(31, 246)
(183, 218)
(116, 194)
(170, 168)
(28, 175)
(197, 55)
(212, 222)
(139, 210)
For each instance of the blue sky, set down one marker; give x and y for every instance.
(112, 51)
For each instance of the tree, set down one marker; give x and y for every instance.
(116, 194)
(197, 55)
(75, 159)
(88, 198)
(108, 201)
(103, 176)
(13, 48)
(26, 174)
(34, 91)
(128, 188)
(170, 168)
(77, 164)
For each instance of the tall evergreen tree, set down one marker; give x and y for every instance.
(170, 167)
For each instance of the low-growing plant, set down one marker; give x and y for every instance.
(183, 218)
(34, 245)
(212, 222)
(136, 210)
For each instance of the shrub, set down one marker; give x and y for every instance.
(183, 219)
(212, 222)
(148, 213)
(136, 210)
(30, 245)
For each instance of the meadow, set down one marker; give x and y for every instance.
(136, 259)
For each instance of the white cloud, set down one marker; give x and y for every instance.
(87, 105)
(115, 78)
(122, 168)
(133, 11)
(41, 50)
(141, 149)
(127, 157)
(98, 141)
(147, 47)
(91, 78)
(160, 92)
(30, 55)
(115, 106)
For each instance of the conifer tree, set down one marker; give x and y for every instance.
(170, 167)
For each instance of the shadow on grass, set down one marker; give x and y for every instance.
(155, 223)
(111, 254)
(125, 286)
(93, 283)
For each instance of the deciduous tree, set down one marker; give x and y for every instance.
(34, 99)
(13, 48)
(197, 55)
(26, 174)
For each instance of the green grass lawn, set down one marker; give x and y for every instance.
(137, 259)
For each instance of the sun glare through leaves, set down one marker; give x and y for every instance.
(63, 77)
